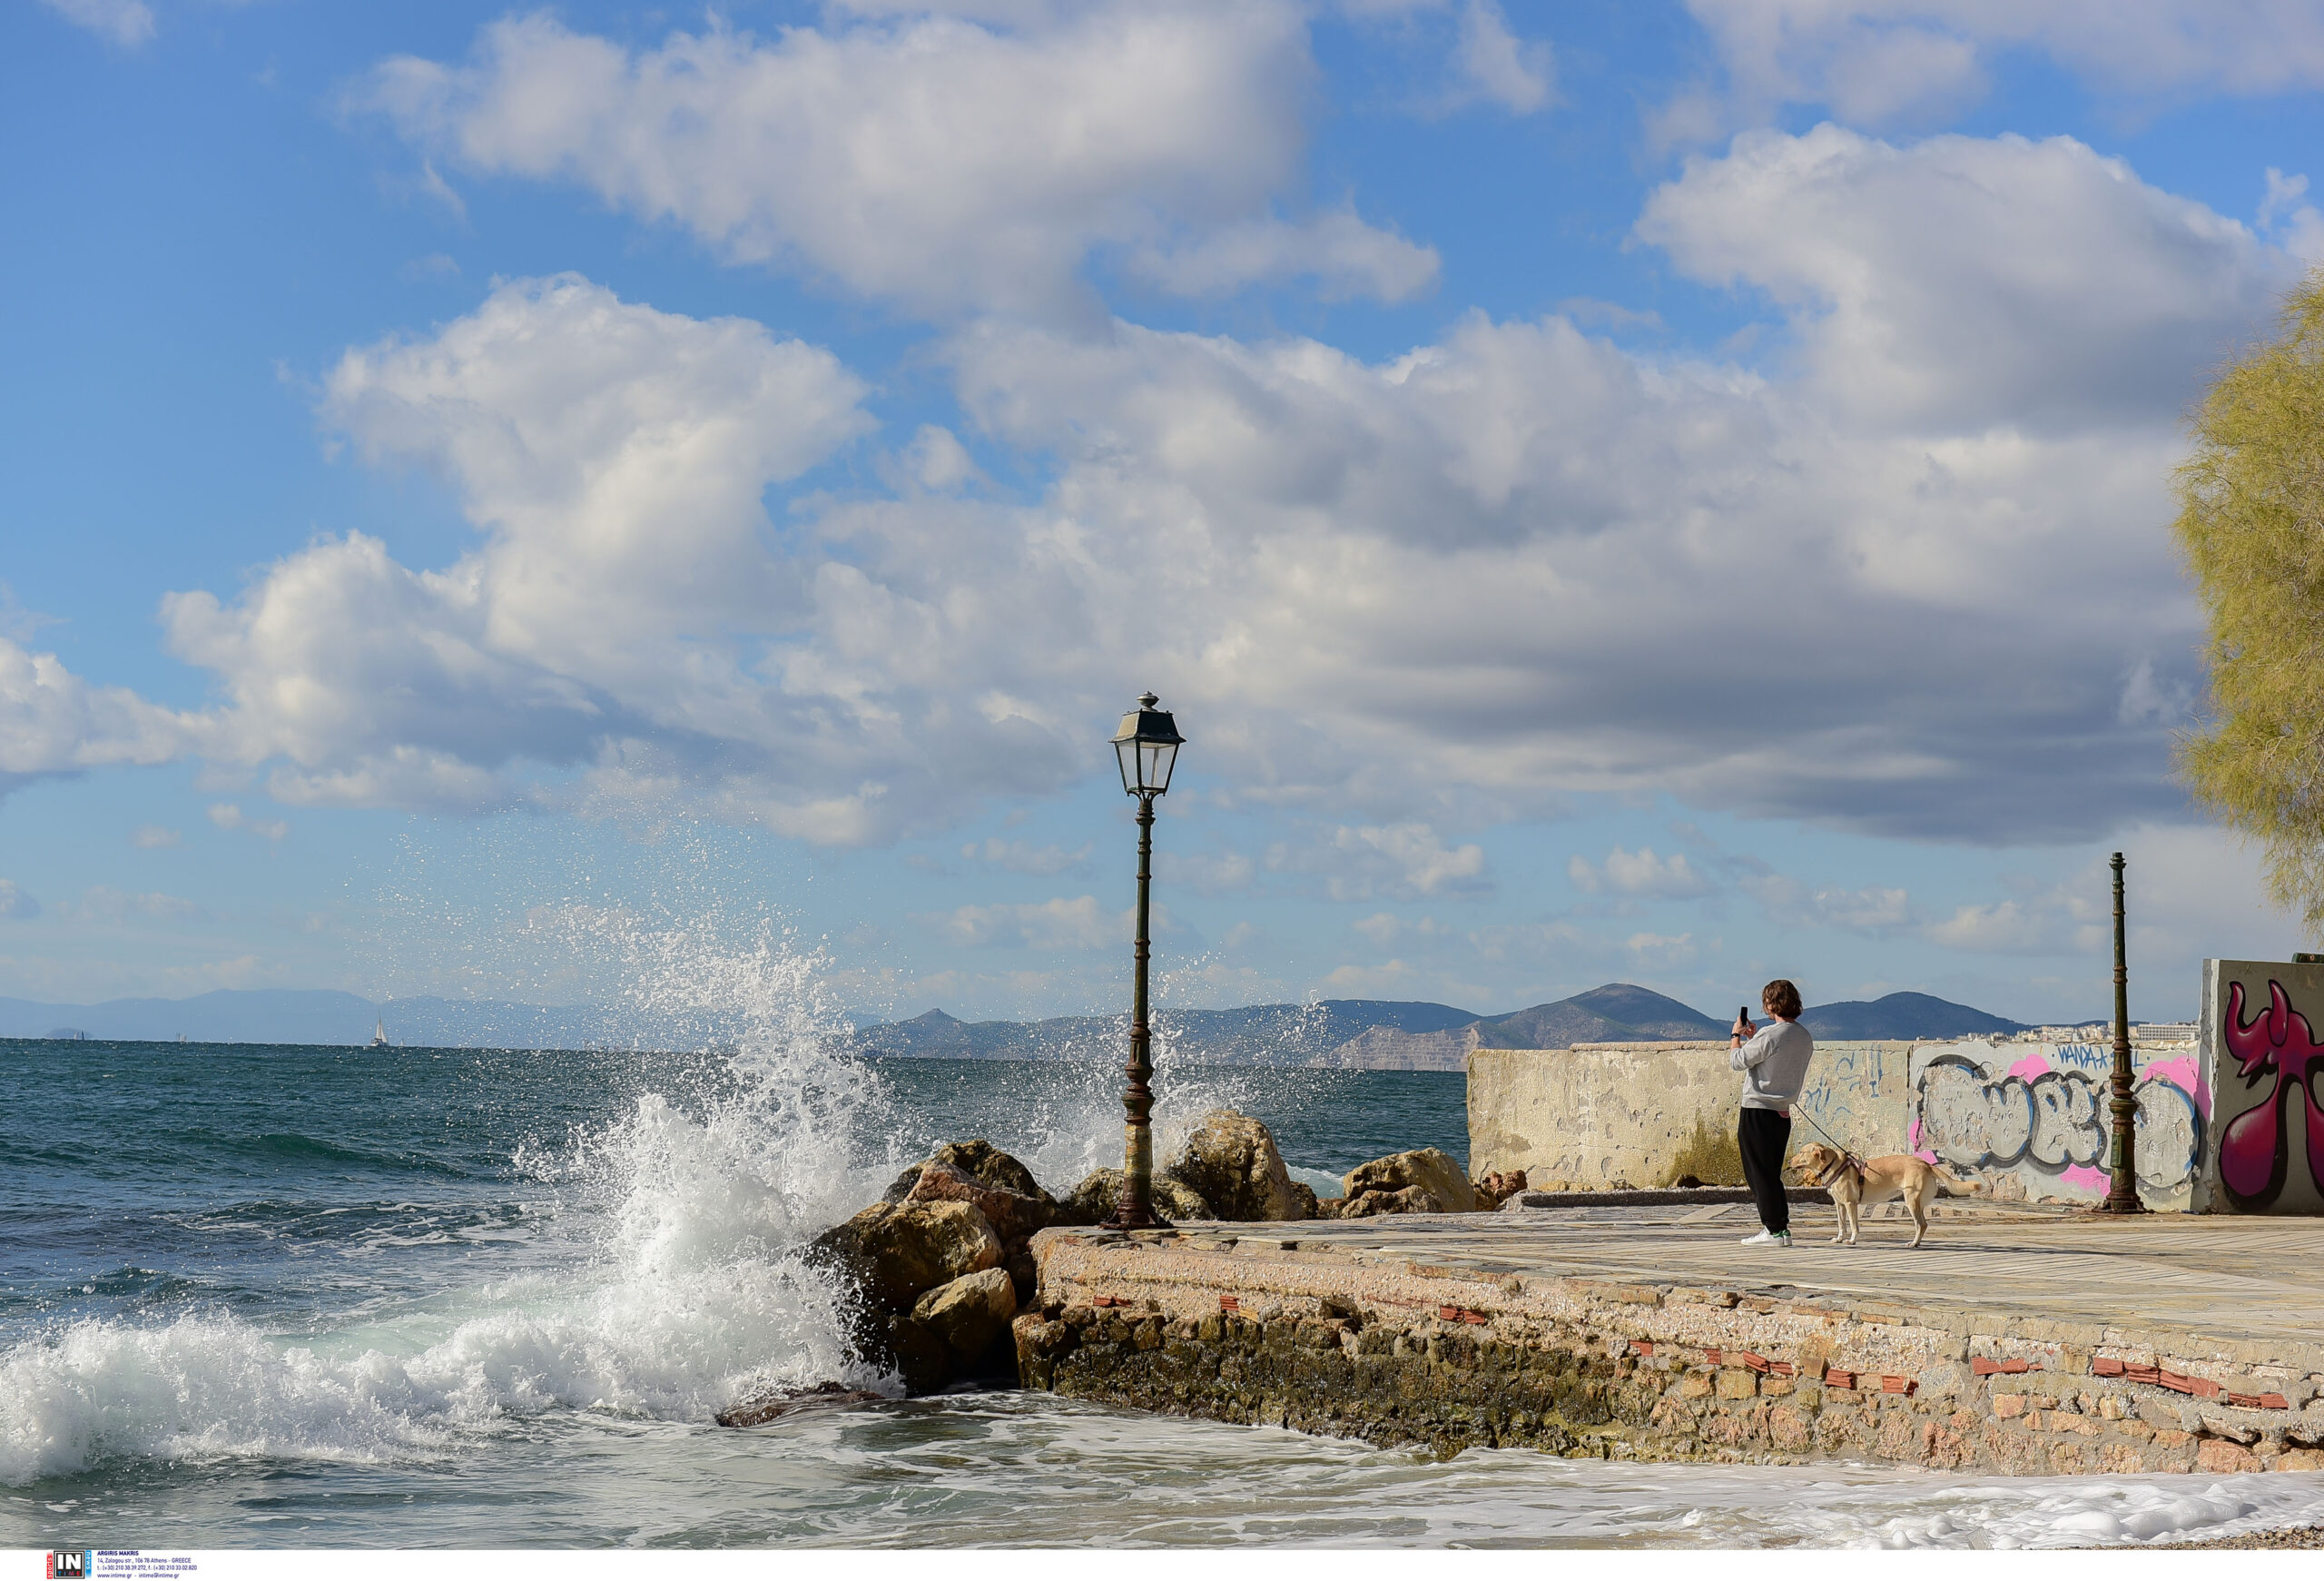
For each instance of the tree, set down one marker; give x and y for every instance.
(2251, 527)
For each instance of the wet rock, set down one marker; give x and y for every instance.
(1013, 1215)
(969, 1314)
(895, 1251)
(918, 1354)
(761, 1409)
(981, 1162)
(1231, 1161)
(1094, 1200)
(1426, 1170)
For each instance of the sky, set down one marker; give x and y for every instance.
(1666, 493)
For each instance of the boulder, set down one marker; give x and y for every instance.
(1494, 1188)
(762, 1408)
(1095, 1199)
(898, 1251)
(918, 1354)
(969, 1314)
(1232, 1164)
(1309, 1205)
(1410, 1199)
(1013, 1215)
(1428, 1169)
(981, 1162)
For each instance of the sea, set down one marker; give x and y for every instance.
(276, 1296)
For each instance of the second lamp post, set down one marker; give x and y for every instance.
(1147, 745)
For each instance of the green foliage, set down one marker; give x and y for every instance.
(2251, 527)
(1710, 1156)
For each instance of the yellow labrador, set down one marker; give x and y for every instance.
(1855, 1181)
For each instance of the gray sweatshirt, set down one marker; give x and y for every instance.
(1774, 1065)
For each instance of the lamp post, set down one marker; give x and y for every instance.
(1148, 746)
(2122, 1154)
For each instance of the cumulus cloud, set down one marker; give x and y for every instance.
(16, 905)
(1639, 873)
(1879, 61)
(230, 816)
(972, 158)
(156, 837)
(1079, 924)
(1398, 861)
(52, 722)
(1023, 856)
(127, 23)
(1503, 69)
(102, 902)
(1788, 903)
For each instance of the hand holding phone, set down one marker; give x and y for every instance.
(1743, 1027)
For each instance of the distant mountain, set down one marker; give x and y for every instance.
(1358, 1033)
(1617, 1012)
(1902, 1015)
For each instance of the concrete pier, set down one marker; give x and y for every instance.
(2016, 1339)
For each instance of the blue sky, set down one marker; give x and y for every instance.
(1675, 494)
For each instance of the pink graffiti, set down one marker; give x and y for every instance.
(2031, 1066)
(2181, 1073)
(2086, 1178)
(2254, 1154)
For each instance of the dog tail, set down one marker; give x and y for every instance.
(1954, 1184)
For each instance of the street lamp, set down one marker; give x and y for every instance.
(1148, 746)
(2122, 1151)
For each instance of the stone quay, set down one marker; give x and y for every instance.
(2019, 1340)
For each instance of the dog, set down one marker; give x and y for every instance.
(1854, 1181)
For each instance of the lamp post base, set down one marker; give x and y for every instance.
(2114, 1205)
(1124, 1219)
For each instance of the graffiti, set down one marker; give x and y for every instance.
(2254, 1146)
(2048, 1124)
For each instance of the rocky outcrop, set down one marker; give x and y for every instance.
(1093, 1202)
(897, 1251)
(1424, 1180)
(761, 1409)
(1231, 1161)
(968, 1315)
(1497, 1188)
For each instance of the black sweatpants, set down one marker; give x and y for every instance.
(1762, 1135)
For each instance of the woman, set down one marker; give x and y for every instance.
(1774, 1063)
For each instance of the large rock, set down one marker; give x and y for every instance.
(981, 1162)
(1012, 1214)
(1232, 1164)
(969, 1314)
(1409, 1200)
(1432, 1171)
(1101, 1193)
(896, 1251)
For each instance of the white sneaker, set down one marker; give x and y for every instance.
(1769, 1237)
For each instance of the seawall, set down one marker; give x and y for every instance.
(1405, 1334)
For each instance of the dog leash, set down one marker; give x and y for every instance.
(1849, 1160)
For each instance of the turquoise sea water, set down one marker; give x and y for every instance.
(288, 1296)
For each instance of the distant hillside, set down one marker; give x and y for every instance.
(1903, 1015)
(1290, 1034)
(1617, 1012)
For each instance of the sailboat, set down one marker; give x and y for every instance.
(380, 1033)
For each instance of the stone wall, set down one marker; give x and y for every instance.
(1402, 1353)
(2024, 1119)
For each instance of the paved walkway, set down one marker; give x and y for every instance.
(2229, 1278)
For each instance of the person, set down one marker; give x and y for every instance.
(1774, 1063)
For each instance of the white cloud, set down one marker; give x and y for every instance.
(1399, 861)
(127, 23)
(229, 815)
(51, 722)
(1787, 903)
(1023, 856)
(1639, 873)
(1518, 75)
(970, 160)
(16, 905)
(1079, 924)
(1345, 257)
(154, 837)
(102, 902)
(1877, 61)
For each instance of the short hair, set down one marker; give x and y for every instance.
(1781, 997)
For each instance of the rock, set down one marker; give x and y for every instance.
(1309, 1205)
(761, 1409)
(1095, 1199)
(981, 1162)
(969, 1314)
(1331, 1207)
(1497, 1188)
(897, 1251)
(1232, 1164)
(1427, 1169)
(918, 1354)
(1013, 1215)
(1411, 1199)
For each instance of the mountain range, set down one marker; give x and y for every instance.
(1356, 1033)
